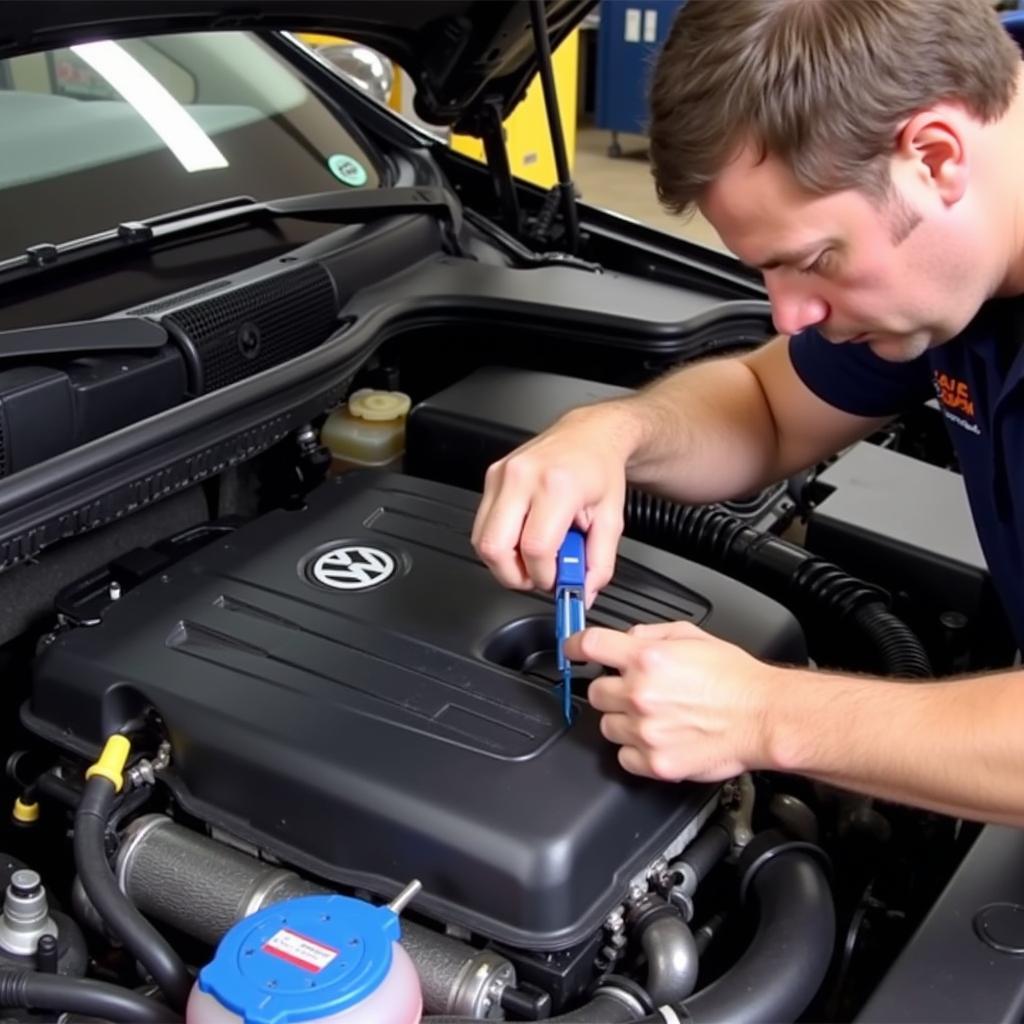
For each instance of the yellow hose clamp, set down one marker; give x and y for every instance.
(112, 761)
(24, 812)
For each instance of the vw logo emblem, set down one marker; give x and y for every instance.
(353, 568)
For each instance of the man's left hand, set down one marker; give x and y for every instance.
(684, 705)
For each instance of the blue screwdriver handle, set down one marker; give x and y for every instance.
(571, 570)
(570, 614)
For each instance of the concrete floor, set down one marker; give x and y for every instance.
(625, 185)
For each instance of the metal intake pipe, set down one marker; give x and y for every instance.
(669, 946)
(202, 888)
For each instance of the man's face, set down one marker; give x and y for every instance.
(900, 276)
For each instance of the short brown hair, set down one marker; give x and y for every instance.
(821, 84)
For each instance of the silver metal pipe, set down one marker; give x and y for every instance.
(453, 974)
(203, 887)
(194, 883)
(672, 960)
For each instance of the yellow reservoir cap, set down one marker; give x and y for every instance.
(112, 761)
(369, 404)
(26, 813)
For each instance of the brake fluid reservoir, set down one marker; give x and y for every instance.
(316, 959)
(368, 431)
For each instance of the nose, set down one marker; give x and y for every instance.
(794, 306)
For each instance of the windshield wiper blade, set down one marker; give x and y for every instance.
(47, 254)
(336, 207)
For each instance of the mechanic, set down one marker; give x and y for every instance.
(867, 157)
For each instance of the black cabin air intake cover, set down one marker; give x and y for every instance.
(236, 334)
(347, 687)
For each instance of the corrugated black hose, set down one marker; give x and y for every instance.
(33, 991)
(810, 587)
(141, 939)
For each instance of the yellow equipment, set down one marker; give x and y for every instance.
(527, 137)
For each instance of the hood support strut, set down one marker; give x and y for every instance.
(492, 131)
(542, 43)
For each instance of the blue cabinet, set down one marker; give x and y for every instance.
(630, 35)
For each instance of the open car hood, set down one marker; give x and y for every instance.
(458, 52)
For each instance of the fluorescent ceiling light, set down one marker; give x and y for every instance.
(161, 111)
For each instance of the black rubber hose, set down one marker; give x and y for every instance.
(782, 969)
(789, 956)
(896, 642)
(602, 1009)
(58, 789)
(707, 849)
(808, 585)
(33, 991)
(141, 939)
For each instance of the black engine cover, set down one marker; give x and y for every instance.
(399, 720)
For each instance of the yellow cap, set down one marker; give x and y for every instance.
(112, 761)
(24, 812)
(368, 404)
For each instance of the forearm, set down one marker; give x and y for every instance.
(702, 434)
(954, 747)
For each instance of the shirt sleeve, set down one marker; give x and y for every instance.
(855, 380)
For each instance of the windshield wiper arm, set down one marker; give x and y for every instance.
(83, 337)
(337, 207)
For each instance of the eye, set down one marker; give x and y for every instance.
(820, 264)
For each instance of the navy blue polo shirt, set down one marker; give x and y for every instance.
(977, 378)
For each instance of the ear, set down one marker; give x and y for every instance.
(934, 147)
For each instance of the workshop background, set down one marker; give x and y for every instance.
(601, 74)
(602, 71)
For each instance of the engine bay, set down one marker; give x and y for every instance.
(345, 678)
(326, 692)
(241, 675)
(332, 694)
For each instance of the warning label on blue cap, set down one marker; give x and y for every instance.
(300, 950)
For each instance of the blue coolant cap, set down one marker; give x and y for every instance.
(302, 959)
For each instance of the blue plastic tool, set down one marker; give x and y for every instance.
(570, 615)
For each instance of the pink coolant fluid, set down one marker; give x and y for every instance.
(312, 960)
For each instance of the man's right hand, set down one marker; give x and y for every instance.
(572, 474)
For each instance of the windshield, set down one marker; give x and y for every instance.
(107, 132)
